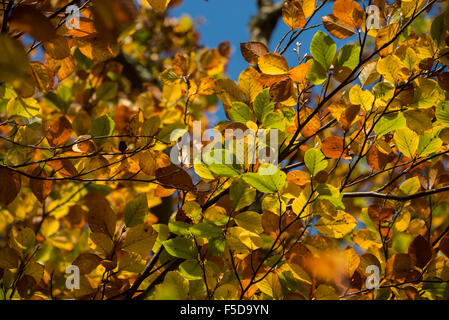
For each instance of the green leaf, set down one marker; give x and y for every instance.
(316, 74)
(439, 28)
(222, 162)
(136, 211)
(180, 228)
(180, 248)
(191, 270)
(263, 104)
(205, 230)
(406, 141)
(266, 183)
(240, 112)
(102, 127)
(250, 220)
(168, 76)
(442, 113)
(107, 91)
(315, 161)
(217, 246)
(323, 49)
(332, 194)
(348, 56)
(428, 144)
(390, 122)
(241, 194)
(274, 120)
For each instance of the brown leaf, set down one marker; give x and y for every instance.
(87, 262)
(376, 158)
(337, 27)
(224, 48)
(64, 167)
(9, 185)
(101, 218)
(420, 251)
(399, 267)
(175, 177)
(28, 19)
(443, 80)
(25, 286)
(281, 90)
(444, 245)
(60, 130)
(57, 47)
(76, 217)
(380, 213)
(332, 147)
(251, 51)
(41, 188)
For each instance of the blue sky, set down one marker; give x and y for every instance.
(228, 20)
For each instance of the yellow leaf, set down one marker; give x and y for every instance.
(271, 286)
(273, 64)
(401, 223)
(326, 292)
(308, 6)
(140, 239)
(350, 262)
(102, 243)
(250, 239)
(390, 67)
(385, 35)
(249, 84)
(21, 238)
(366, 238)
(159, 5)
(338, 227)
(364, 98)
(439, 268)
(406, 141)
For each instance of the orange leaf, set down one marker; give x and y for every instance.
(60, 130)
(298, 177)
(332, 147)
(349, 11)
(299, 74)
(293, 15)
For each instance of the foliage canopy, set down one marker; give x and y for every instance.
(86, 179)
